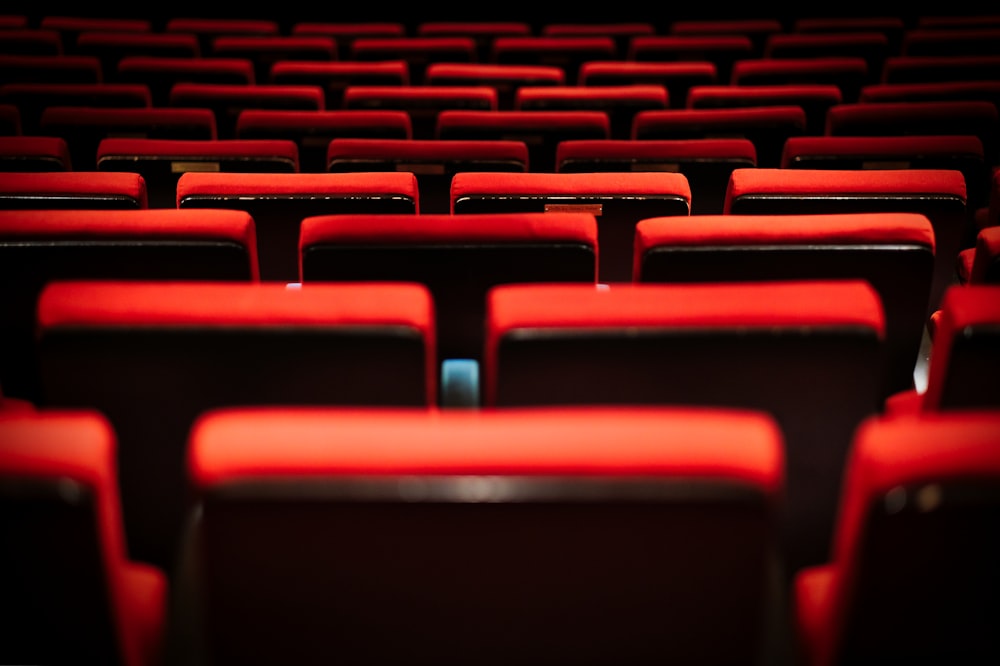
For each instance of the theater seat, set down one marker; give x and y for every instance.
(618, 200)
(152, 355)
(40, 246)
(963, 361)
(72, 593)
(563, 536)
(807, 352)
(912, 574)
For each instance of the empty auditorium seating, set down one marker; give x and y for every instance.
(722, 50)
(40, 246)
(980, 264)
(706, 163)
(942, 68)
(279, 201)
(335, 76)
(767, 127)
(493, 537)
(567, 52)
(433, 161)
(962, 152)
(541, 131)
(30, 41)
(617, 200)
(162, 161)
(987, 90)
(892, 27)
(345, 32)
(34, 153)
(983, 40)
(423, 103)
(756, 29)
(226, 100)
(33, 98)
(806, 352)
(894, 252)
(458, 257)
(313, 131)
(911, 576)
(976, 117)
(963, 359)
(71, 25)
(505, 79)
(72, 593)
(109, 47)
(207, 28)
(52, 190)
(417, 51)
(265, 50)
(83, 128)
(677, 77)
(849, 73)
(989, 215)
(621, 31)
(160, 73)
(939, 194)
(152, 356)
(815, 99)
(297, 146)
(871, 45)
(50, 69)
(482, 32)
(620, 103)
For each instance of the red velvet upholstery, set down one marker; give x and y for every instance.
(227, 100)
(963, 356)
(313, 130)
(34, 98)
(423, 103)
(279, 201)
(894, 252)
(433, 162)
(335, 76)
(154, 355)
(540, 130)
(621, 103)
(459, 258)
(916, 518)
(417, 51)
(767, 127)
(567, 52)
(265, 50)
(940, 194)
(963, 152)
(73, 190)
(39, 246)
(940, 68)
(84, 127)
(723, 344)
(815, 99)
(426, 513)
(505, 79)
(162, 161)
(706, 163)
(677, 77)
(618, 200)
(34, 153)
(160, 73)
(71, 591)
